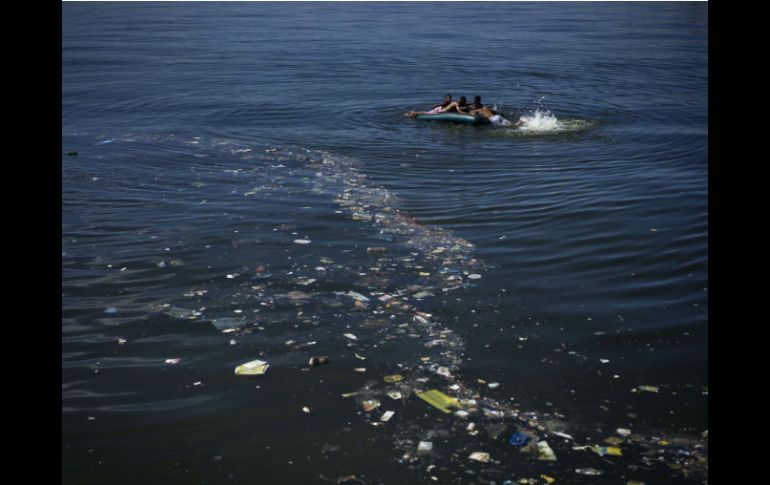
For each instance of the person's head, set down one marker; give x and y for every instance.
(462, 101)
(447, 100)
(477, 101)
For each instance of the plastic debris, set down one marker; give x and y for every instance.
(314, 361)
(544, 452)
(371, 405)
(177, 312)
(393, 378)
(255, 367)
(424, 447)
(72, 153)
(302, 241)
(173, 361)
(360, 369)
(493, 413)
(386, 416)
(589, 471)
(461, 413)
(493, 385)
(547, 478)
(474, 276)
(350, 336)
(607, 450)
(395, 395)
(480, 456)
(122, 341)
(563, 435)
(518, 439)
(306, 410)
(648, 388)
(357, 296)
(438, 399)
(443, 371)
(623, 432)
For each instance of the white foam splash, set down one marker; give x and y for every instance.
(541, 121)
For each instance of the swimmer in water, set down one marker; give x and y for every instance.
(478, 109)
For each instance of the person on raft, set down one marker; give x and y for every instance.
(448, 106)
(435, 110)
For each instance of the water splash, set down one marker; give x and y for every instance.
(541, 121)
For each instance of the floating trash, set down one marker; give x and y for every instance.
(314, 361)
(443, 371)
(648, 389)
(518, 439)
(371, 405)
(544, 452)
(255, 367)
(438, 399)
(563, 435)
(182, 313)
(480, 456)
(604, 451)
(350, 336)
(589, 471)
(173, 361)
(424, 447)
(302, 241)
(357, 296)
(386, 416)
(393, 378)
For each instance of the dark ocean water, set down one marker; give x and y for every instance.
(566, 262)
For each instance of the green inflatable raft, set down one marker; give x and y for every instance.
(456, 118)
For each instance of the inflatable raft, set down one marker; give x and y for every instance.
(456, 118)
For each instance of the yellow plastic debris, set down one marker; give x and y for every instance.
(393, 378)
(255, 367)
(480, 456)
(438, 400)
(547, 478)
